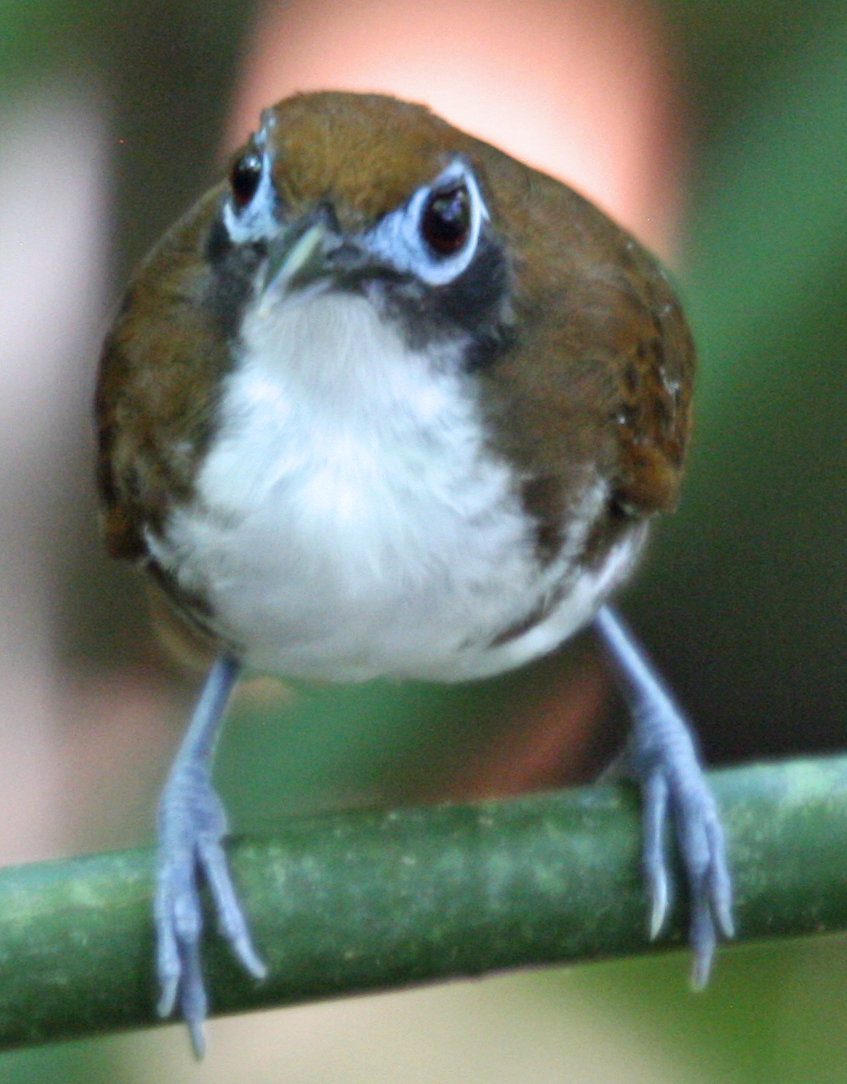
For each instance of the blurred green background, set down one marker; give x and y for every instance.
(742, 601)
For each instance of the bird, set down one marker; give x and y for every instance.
(388, 403)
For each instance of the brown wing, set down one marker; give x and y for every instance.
(655, 372)
(157, 387)
(600, 374)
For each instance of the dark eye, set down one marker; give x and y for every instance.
(244, 178)
(446, 220)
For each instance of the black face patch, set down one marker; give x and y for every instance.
(474, 301)
(218, 243)
(234, 268)
(472, 309)
(485, 348)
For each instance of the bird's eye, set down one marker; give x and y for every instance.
(251, 209)
(244, 178)
(434, 235)
(446, 220)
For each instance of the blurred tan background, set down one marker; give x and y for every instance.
(718, 133)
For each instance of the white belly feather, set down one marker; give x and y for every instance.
(351, 522)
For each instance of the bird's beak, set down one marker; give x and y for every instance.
(298, 256)
(315, 252)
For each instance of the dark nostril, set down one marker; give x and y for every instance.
(325, 214)
(346, 255)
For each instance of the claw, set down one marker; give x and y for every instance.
(168, 965)
(197, 1034)
(167, 998)
(231, 921)
(720, 883)
(654, 813)
(193, 1002)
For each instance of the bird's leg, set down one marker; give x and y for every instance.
(192, 824)
(662, 757)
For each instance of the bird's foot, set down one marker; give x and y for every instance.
(662, 757)
(192, 825)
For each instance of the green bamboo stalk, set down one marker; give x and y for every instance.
(373, 900)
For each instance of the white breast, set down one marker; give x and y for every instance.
(351, 522)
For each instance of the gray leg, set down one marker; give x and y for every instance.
(664, 761)
(192, 824)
